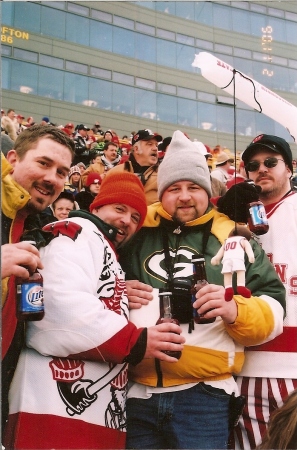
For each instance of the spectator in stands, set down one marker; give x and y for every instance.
(282, 427)
(97, 129)
(82, 153)
(223, 164)
(63, 205)
(108, 135)
(238, 177)
(162, 147)
(19, 125)
(143, 161)
(69, 129)
(97, 147)
(58, 210)
(6, 144)
(125, 155)
(217, 187)
(125, 148)
(45, 121)
(81, 166)
(73, 185)
(92, 187)
(30, 121)
(8, 124)
(102, 164)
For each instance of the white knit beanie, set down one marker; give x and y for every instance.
(183, 162)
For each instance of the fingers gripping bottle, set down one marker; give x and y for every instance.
(166, 316)
(199, 280)
(30, 296)
(257, 219)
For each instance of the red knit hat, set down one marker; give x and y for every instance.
(124, 188)
(93, 177)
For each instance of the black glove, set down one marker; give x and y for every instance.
(234, 202)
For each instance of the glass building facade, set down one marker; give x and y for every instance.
(134, 60)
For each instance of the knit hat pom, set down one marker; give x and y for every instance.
(183, 162)
(124, 188)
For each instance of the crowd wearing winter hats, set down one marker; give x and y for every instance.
(217, 159)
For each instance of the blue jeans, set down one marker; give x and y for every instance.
(195, 418)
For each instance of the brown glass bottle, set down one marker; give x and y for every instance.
(166, 316)
(30, 297)
(199, 280)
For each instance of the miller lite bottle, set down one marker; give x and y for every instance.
(199, 280)
(30, 296)
(257, 219)
(166, 316)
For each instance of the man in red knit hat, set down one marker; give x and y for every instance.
(69, 388)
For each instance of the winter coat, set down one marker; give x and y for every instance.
(69, 388)
(212, 351)
(148, 179)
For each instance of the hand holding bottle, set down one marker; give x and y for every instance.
(29, 293)
(199, 281)
(19, 259)
(165, 297)
(164, 337)
(210, 303)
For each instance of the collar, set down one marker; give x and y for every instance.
(221, 226)
(109, 231)
(137, 167)
(156, 211)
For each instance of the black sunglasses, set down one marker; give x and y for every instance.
(270, 162)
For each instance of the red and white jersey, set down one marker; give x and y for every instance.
(278, 358)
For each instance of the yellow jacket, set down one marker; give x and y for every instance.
(14, 199)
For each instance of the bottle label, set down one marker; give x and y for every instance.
(30, 297)
(258, 215)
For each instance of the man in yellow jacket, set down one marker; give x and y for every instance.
(33, 175)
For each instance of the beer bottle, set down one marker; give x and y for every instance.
(166, 316)
(257, 219)
(30, 296)
(199, 280)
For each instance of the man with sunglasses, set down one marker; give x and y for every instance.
(269, 373)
